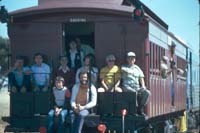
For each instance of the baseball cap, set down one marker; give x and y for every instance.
(131, 54)
(165, 58)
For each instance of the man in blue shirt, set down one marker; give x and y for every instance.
(19, 79)
(41, 73)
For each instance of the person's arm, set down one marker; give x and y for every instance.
(73, 96)
(117, 77)
(47, 75)
(9, 71)
(102, 77)
(52, 100)
(67, 100)
(104, 85)
(142, 82)
(77, 80)
(94, 74)
(141, 78)
(82, 56)
(71, 79)
(118, 83)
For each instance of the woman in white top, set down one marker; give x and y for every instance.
(89, 67)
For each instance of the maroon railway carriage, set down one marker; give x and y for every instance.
(108, 27)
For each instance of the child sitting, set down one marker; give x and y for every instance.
(60, 93)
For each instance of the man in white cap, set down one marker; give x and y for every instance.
(133, 81)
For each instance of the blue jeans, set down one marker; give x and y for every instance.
(51, 116)
(78, 121)
(142, 95)
(172, 93)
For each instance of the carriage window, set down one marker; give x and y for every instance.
(156, 52)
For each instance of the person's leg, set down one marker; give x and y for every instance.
(130, 89)
(50, 120)
(144, 96)
(74, 128)
(142, 99)
(79, 121)
(72, 115)
(172, 93)
(63, 115)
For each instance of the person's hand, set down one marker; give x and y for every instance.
(45, 89)
(114, 88)
(57, 111)
(106, 87)
(76, 109)
(36, 89)
(81, 108)
(14, 89)
(23, 89)
(27, 72)
(143, 87)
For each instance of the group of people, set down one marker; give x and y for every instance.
(128, 78)
(78, 78)
(22, 78)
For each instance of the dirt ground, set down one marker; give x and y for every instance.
(4, 109)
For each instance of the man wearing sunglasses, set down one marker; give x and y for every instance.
(110, 76)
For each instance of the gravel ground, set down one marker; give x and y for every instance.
(4, 109)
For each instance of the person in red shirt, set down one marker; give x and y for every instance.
(65, 72)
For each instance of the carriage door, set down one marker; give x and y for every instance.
(84, 32)
(119, 37)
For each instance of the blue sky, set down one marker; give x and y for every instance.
(182, 16)
(12, 5)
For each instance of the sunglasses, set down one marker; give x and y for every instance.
(111, 60)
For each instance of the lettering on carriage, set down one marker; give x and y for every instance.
(74, 20)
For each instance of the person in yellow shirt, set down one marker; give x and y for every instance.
(110, 76)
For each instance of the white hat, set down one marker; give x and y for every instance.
(131, 54)
(165, 58)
